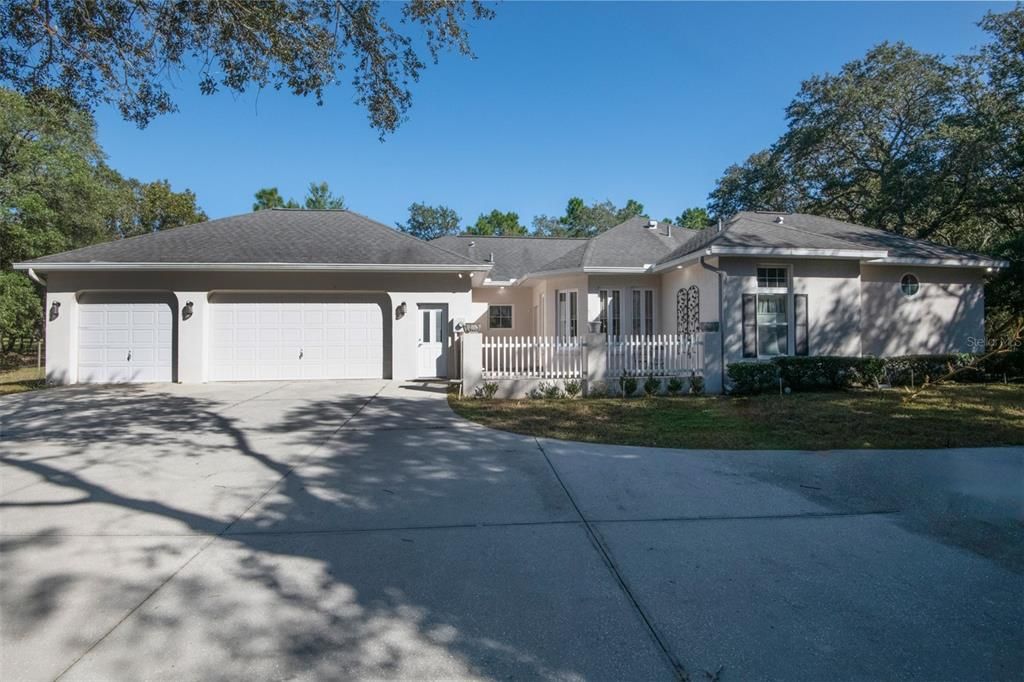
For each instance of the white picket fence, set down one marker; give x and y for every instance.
(660, 355)
(532, 357)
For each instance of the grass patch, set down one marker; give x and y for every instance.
(21, 379)
(955, 415)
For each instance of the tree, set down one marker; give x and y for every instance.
(125, 52)
(695, 218)
(430, 222)
(911, 143)
(581, 220)
(269, 197)
(320, 197)
(498, 224)
(57, 193)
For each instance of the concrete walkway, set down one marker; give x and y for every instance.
(362, 530)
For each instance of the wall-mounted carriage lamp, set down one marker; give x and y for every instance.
(186, 311)
(54, 310)
(400, 310)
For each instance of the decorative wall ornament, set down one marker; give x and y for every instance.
(688, 311)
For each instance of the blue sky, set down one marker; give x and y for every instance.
(602, 100)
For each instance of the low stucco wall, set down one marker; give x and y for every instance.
(192, 359)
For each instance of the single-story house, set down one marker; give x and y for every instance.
(305, 294)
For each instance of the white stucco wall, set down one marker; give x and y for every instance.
(521, 300)
(193, 334)
(707, 283)
(947, 315)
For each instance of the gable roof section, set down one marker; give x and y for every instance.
(274, 239)
(759, 233)
(513, 256)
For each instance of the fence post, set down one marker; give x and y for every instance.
(595, 359)
(472, 362)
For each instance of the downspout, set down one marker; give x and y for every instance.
(721, 316)
(36, 278)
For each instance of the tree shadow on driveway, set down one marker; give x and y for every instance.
(328, 536)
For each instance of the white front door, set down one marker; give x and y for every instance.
(433, 341)
(268, 337)
(125, 342)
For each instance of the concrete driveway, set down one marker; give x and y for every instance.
(361, 530)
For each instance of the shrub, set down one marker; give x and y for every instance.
(551, 391)
(652, 386)
(1009, 365)
(749, 378)
(597, 389)
(919, 369)
(675, 385)
(696, 384)
(627, 385)
(573, 388)
(486, 391)
(829, 371)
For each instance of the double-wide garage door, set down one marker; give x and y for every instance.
(267, 337)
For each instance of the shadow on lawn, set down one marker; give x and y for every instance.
(267, 601)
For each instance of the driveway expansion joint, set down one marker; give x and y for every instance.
(675, 664)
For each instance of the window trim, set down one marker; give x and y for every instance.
(511, 316)
(643, 319)
(574, 313)
(608, 291)
(917, 280)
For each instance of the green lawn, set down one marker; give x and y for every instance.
(21, 379)
(955, 415)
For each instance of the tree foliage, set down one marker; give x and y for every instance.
(695, 218)
(430, 222)
(498, 224)
(908, 142)
(127, 52)
(58, 193)
(581, 220)
(270, 197)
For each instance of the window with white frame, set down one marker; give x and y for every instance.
(499, 316)
(772, 278)
(643, 312)
(772, 325)
(610, 316)
(565, 314)
(910, 285)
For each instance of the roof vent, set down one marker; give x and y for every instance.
(472, 244)
(652, 224)
(490, 259)
(779, 220)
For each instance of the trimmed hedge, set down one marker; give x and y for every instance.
(749, 378)
(828, 371)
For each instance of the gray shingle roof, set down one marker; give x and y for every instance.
(633, 244)
(276, 236)
(803, 231)
(513, 256)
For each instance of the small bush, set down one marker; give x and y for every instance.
(551, 391)
(486, 391)
(597, 389)
(627, 385)
(652, 386)
(573, 388)
(1009, 365)
(696, 384)
(918, 369)
(675, 385)
(749, 378)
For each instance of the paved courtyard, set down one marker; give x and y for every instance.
(362, 530)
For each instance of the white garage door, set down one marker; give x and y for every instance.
(125, 342)
(296, 339)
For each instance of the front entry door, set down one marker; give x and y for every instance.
(433, 343)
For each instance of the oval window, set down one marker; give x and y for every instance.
(909, 285)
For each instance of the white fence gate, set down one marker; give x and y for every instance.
(660, 355)
(532, 357)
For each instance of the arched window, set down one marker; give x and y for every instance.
(909, 285)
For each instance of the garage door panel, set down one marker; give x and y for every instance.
(125, 342)
(329, 336)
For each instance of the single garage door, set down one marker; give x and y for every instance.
(120, 342)
(274, 338)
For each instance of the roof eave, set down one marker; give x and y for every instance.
(262, 267)
(589, 270)
(846, 254)
(944, 262)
